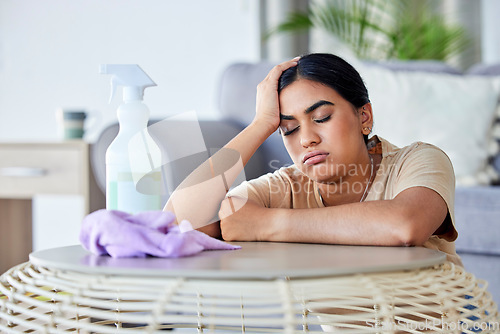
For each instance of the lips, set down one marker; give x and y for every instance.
(314, 157)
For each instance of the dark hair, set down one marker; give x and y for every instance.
(331, 71)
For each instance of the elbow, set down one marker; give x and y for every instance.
(231, 214)
(409, 232)
(409, 239)
(212, 230)
(226, 221)
(225, 230)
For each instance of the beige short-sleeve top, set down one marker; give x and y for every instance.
(417, 165)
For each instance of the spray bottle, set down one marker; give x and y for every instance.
(133, 180)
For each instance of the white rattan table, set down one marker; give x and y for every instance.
(261, 288)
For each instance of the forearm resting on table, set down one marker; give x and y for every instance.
(198, 198)
(384, 223)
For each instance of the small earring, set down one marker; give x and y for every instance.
(367, 129)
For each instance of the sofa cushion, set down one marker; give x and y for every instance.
(452, 112)
(484, 69)
(491, 70)
(477, 219)
(493, 166)
(433, 66)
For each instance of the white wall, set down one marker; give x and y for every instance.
(50, 52)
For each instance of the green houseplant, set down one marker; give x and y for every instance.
(382, 29)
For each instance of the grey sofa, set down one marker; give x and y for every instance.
(477, 209)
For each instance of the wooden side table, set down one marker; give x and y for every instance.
(29, 169)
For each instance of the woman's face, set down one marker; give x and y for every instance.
(321, 131)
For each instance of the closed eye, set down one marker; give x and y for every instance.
(322, 120)
(289, 132)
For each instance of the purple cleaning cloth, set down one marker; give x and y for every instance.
(153, 233)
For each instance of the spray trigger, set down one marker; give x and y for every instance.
(133, 79)
(114, 84)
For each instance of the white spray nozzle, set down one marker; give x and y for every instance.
(133, 79)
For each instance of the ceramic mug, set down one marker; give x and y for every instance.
(71, 123)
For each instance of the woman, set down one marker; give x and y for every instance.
(343, 187)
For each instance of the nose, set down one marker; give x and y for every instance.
(309, 137)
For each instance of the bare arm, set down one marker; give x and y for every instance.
(408, 219)
(197, 200)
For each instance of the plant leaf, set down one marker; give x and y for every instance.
(296, 21)
(382, 29)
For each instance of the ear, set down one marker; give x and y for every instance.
(366, 118)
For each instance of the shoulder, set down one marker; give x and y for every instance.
(418, 164)
(419, 154)
(423, 148)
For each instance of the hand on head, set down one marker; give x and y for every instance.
(267, 110)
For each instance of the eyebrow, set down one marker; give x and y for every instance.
(309, 109)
